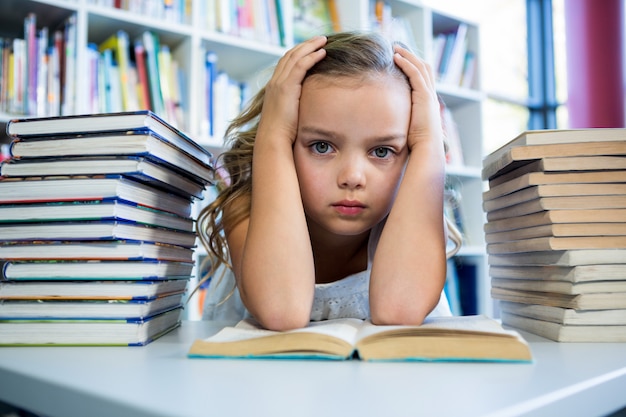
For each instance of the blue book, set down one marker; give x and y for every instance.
(88, 332)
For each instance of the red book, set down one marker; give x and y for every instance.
(142, 74)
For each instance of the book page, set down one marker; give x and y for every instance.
(344, 329)
(441, 325)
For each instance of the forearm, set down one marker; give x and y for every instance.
(408, 271)
(277, 275)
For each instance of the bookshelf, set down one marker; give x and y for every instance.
(245, 59)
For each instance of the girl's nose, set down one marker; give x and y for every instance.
(351, 174)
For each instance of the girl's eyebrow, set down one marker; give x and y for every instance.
(374, 139)
(318, 131)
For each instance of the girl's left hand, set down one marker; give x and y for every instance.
(425, 111)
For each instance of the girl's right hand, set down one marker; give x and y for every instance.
(282, 91)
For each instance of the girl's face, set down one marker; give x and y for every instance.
(351, 150)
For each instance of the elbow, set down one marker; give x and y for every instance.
(402, 312)
(283, 319)
(282, 324)
(413, 315)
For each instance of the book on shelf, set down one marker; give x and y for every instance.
(566, 333)
(249, 19)
(60, 308)
(143, 83)
(140, 142)
(96, 270)
(113, 209)
(210, 76)
(90, 289)
(566, 316)
(108, 122)
(311, 18)
(588, 301)
(30, 69)
(152, 45)
(93, 250)
(561, 258)
(460, 338)
(85, 332)
(96, 188)
(453, 70)
(94, 230)
(173, 11)
(119, 44)
(537, 144)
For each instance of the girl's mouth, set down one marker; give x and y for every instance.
(349, 207)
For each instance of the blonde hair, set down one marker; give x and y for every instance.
(348, 55)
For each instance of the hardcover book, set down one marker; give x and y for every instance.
(85, 332)
(16, 232)
(569, 177)
(143, 169)
(574, 202)
(460, 338)
(561, 287)
(567, 333)
(90, 290)
(561, 258)
(107, 122)
(95, 270)
(93, 250)
(567, 316)
(590, 301)
(129, 143)
(537, 144)
(88, 309)
(554, 190)
(113, 209)
(550, 217)
(554, 272)
(96, 188)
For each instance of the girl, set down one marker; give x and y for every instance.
(333, 202)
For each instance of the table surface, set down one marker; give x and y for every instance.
(574, 379)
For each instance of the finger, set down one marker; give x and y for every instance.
(303, 50)
(419, 80)
(420, 64)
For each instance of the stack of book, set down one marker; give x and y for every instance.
(96, 230)
(556, 233)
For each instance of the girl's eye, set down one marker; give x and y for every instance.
(381, 152)
(321, 147)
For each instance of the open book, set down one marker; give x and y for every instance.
(464, 338)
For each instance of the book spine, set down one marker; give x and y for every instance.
(151, 46)
(142, 74)
(42, 69)
(68, 106)
(211, 74)
(30, 29)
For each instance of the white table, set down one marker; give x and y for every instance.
(159, 380)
